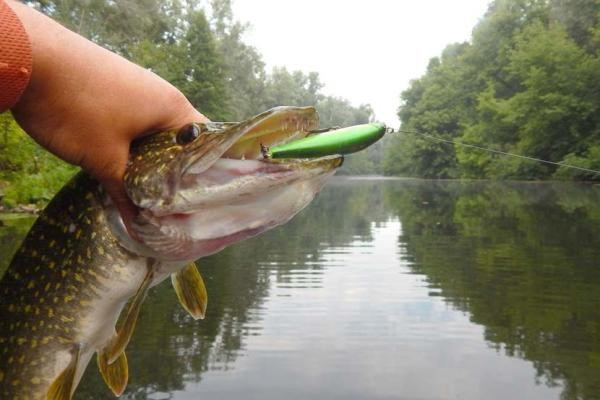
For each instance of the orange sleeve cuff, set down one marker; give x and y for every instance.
(15, 58)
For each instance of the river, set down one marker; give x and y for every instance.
(387, 289)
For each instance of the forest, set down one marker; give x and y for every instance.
(527, 82)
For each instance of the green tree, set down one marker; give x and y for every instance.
(28, 174)
(291, 88)
(205, 82)
(117, 25)
(580, 19)
(436, 104)
(556, 112)
(527, 83)
(244, 69)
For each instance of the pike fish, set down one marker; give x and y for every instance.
(75, 286)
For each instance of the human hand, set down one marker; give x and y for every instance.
(86, 104)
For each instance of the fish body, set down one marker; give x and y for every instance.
(75, 286)
(63, 292)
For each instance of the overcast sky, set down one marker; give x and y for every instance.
(364, 51)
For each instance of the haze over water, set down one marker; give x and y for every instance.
(389, 289)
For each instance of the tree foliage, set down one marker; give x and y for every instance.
(28, 174)
(527, 83)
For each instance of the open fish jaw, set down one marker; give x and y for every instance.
(239, 195)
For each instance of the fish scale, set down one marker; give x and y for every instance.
(66, 259)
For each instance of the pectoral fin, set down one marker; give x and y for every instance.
(190, 290)
(62, 387)
(120, 341)
(116, 374)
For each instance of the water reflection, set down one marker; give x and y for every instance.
(523, 260)
(390, 289)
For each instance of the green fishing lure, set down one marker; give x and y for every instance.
(338, 141)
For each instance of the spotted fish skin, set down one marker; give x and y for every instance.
(198, 189)
(68, 264)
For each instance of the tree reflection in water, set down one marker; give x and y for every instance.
(521, 259)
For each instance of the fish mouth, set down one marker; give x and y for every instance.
(248, 140)
(228, 190)
(237, 169)
(274, 127)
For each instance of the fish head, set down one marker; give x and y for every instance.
(205, 186)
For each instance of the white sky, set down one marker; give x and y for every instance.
(364, 51)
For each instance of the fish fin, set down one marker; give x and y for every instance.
(120, 341)
(62, 387)
(116, 374)
(190, 290)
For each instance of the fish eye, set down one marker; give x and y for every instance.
(188, 133)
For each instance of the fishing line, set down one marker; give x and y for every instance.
(504, 153)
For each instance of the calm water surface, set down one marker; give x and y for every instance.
(388, 289)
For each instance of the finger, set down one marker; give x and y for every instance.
(182, 112)
(176, 112)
